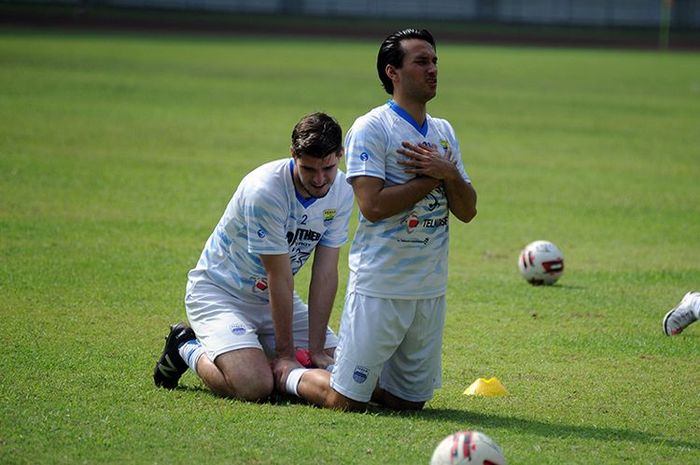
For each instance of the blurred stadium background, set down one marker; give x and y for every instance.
(641, 23)
(685, 13)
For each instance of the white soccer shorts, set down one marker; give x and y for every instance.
(223, 323)
(393, 343)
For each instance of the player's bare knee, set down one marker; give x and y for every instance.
(337, 401)
(255, 390)
(393, 402)
(247, 385)
(411, 405)
(256, 394)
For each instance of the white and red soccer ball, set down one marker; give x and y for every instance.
(467, 448)
(541, 262)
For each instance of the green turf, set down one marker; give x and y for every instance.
(119, 153)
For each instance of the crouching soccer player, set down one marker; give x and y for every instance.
(240, 299)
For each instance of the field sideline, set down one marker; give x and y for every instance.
(119, 152)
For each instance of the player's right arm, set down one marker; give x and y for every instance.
(280, 283)
(368, 145)
(377, 201)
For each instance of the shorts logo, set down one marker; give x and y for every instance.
(360, 374)
(328, 215)
(261, 233)
(259, 284)
(364, 156)
(412, 221)
(238, 329)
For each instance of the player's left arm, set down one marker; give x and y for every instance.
(427, 161)
(461, 198)
(461, 195)
(322, 290)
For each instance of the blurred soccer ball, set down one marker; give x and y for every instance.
(541, 262)
(467, 448)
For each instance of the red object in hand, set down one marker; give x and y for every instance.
(304, 358)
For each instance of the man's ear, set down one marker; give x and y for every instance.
(341, 152)
(390, 71)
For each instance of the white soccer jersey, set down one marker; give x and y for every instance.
(404, 256)
(267, 216)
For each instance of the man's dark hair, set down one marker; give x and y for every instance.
(317, 135)
(392, 53)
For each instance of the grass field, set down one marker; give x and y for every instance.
(118, 154)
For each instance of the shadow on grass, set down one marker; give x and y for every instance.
(549, 429)
(567, 286)
(556, 430)
(276, 398)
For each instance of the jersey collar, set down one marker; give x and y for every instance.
(423, 129)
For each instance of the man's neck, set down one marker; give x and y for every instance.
(415, 109)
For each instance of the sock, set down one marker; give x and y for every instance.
(293, 379)
(190, 351)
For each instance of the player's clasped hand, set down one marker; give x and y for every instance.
(281, 366)
(427, 161)
(321, 360)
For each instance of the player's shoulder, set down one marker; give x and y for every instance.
(378, 120)
(344, 188)
(376, 116)
(266, 179)
(441, 123)
(443, 127)
(270, 169)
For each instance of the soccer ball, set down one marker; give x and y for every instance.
(467, 448)
(541, 262)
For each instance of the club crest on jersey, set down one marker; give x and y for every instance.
(412, 221)
(259, 284)
(328, 215)
(444, 144)
(360, 374)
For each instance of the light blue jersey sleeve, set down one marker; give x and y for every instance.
(366, 145)
(337, 218)
(265, 217)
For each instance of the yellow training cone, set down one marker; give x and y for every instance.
(486, 387)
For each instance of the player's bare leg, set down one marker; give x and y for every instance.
(388, 400)
(241, 374)
(314, 386)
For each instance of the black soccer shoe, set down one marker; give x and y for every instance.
(170, 366)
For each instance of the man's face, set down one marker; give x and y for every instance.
(418, 73)
(313, 177)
